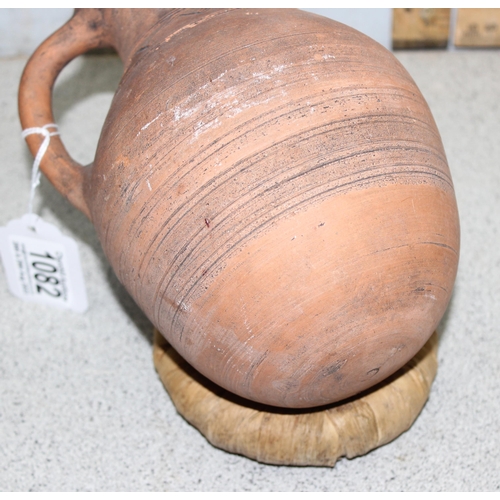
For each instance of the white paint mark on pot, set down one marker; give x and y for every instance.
(261, 76)
(152, 121)
(204, 127)
(180, 113)
(183, 306)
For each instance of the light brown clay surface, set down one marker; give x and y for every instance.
(294, 437)
(270, 187)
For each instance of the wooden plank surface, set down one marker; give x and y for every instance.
(478, 28)
(420, 28)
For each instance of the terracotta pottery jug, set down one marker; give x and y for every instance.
(270, 187)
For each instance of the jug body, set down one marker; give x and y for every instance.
(271, 188)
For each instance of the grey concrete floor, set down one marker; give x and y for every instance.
(81, 407)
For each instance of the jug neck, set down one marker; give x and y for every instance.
(127, 29)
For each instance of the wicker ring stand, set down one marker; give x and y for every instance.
(298, 437)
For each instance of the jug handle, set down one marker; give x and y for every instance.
(86, 30)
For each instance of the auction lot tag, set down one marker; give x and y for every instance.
(42, 265)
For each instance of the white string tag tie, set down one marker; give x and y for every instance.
(35, 172)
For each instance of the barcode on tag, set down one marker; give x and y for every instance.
(42, 265)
